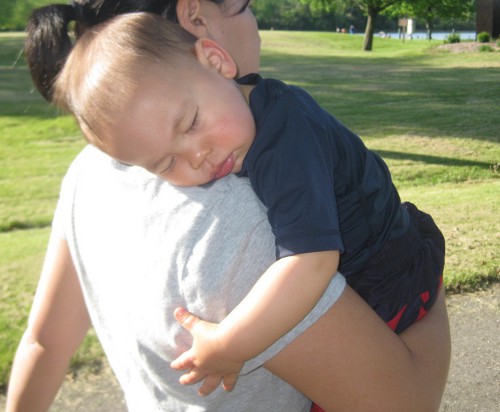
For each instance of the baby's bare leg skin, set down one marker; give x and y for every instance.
(429, 340)
(349, 360)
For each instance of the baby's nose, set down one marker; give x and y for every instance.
(197, 156)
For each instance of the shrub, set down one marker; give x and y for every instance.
(483, 37)
(452, 38)
(485, 48)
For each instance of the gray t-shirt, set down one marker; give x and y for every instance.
(142, 248)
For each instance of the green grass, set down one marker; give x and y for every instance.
(433, 116)
(36, 148)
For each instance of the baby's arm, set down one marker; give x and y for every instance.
(279, 300)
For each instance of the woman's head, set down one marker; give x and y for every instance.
(229, 22)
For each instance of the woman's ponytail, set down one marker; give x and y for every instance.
(48, 44)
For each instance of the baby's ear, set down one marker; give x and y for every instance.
(211, 54)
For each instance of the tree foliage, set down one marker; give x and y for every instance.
(14, 13)
(295, 15)
(431, 10)
(326, 5)
(309, 15)
(426, 10)
(300, 14)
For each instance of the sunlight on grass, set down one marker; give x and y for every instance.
(20, 264)
(36, 152)
(450, 160)
(467, 215)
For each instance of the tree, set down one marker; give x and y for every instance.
(370, 8)
(430, 10)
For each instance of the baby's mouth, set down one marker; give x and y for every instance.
(225, 167)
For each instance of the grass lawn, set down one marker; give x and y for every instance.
(433, 116)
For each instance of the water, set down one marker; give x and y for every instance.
(438, 35)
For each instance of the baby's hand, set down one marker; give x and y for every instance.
(206, 360)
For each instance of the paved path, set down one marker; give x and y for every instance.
(473, 382)
(474, 378)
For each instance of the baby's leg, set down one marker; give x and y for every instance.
(349, 360)
(429, 341)
(437, 354)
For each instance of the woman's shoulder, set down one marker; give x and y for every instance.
(93, 165)
(94, 173)
(90, 158)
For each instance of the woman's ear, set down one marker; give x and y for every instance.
(210, 54)
(190, 17)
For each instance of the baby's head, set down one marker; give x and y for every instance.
(150, 94)
(108, 64)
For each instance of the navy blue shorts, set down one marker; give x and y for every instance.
(401, 282)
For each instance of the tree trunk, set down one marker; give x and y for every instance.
(488, 17)
(370, 24)
(430, 27)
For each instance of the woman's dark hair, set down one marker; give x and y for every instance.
(48, 41)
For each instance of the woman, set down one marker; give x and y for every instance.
(126, 248)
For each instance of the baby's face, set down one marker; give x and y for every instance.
(188, 132)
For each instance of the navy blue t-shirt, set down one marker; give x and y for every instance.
(324, 190)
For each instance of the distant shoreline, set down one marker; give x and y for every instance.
(437, 35)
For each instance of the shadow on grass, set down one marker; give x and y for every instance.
(24, 225)
(437, 160)
(403, 94)
(479, 282)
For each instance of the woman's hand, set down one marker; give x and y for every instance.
(207, 360)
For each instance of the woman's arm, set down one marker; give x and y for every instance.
(349, 360)
(279, 300)
(57, 325)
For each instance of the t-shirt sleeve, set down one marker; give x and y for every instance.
(332, 293)
(291, 169)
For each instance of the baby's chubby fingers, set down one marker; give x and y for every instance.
(183, 362)
(187, 320)
(192, 377)
(229, 382)
(209, 385)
